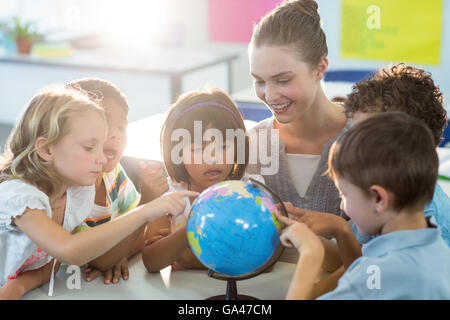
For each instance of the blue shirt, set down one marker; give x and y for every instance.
(407, 264)
(438, 209)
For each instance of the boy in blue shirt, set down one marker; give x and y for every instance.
(384, 189)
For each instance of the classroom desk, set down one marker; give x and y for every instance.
(183, 285)
(174, 63)
(151, 78)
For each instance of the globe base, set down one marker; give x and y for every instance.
(231, 293)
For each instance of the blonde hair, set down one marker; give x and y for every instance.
(47, 116)
(98, 90)
(293, 24)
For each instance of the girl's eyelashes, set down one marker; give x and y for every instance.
(88, 148)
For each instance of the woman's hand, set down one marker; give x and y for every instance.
(324, 224)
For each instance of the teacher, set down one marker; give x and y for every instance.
(288, 60)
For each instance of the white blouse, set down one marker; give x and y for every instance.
(18, 253)
(301, 169)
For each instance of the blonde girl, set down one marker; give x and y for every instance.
(47, 172)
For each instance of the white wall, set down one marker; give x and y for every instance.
(330, 11)
(192, 15)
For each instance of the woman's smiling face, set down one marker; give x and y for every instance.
(287, 85)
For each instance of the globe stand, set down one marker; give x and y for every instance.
(231, 293)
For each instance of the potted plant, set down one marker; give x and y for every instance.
(24, 36)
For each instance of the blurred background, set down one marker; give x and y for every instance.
(153, 50)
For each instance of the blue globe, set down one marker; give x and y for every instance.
(232, 228)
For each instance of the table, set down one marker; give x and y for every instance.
(183, 285)
(152, 78)
(174, 63)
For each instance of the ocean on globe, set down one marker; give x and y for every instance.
(232, 228)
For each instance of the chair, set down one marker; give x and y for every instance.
(348, 75)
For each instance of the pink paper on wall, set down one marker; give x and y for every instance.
(233, 20)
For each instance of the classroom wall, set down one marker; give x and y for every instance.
(192, 19)
(330, 13)
(196, 36)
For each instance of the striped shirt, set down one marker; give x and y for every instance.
(121, 197)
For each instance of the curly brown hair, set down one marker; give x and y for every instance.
(400, 88)
(360, 157)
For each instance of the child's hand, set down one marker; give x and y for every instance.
(152, 181)
(323, 224)
(171, 204)
(11, 291)
(112, 275)
(299, 236)
(176, 266)
(161, 233)
(187, 260)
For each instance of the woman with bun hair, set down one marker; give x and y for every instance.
(288, 59)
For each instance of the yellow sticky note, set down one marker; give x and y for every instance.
(400, 30)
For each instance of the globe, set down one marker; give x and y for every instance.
(232, 228)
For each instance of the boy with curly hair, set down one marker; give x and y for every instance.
(394, 88)
(399, 88)
(413, 91)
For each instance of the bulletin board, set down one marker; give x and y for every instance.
(400, 30)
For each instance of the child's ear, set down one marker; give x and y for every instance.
(381, 198)
(44, 152)
(321, 68)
